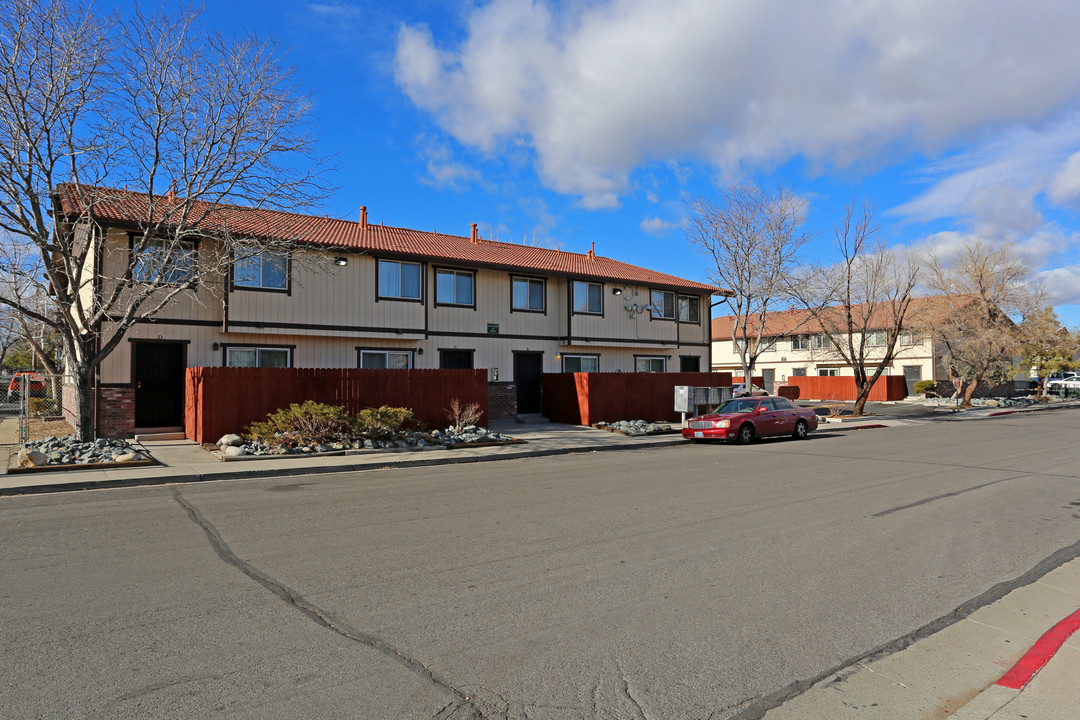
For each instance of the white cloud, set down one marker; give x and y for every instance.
(599, 88)
(656, 226)
(1062, 284)
(443, 171)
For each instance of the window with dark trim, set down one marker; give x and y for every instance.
(261, 269)
(650, 363)
(169, 262)
(588, 298)
(689, 309)
(580, 363)
(663, 304)
(264, 357)
(528, 294)
(455, 287)
(386, 359)
(399, 280)
(800, 342)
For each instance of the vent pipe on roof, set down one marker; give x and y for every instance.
(171, 195)
(591, 254)
(474, 238)
(363, 217)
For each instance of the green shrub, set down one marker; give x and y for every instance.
(308, 422)
(41, 406)
(924, 385)
(382, 422)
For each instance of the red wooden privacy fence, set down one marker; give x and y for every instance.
(586, 398)
(888, 387)
(222, 400)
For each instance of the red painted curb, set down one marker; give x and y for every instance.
(1040, 653)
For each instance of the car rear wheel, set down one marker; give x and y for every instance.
(800, 430)
(746, 434)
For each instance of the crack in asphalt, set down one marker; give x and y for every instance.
(320, 617)
(954, 493)
(757, 709)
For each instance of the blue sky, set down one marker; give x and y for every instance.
(569, 123)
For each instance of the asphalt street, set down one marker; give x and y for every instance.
(684, 582)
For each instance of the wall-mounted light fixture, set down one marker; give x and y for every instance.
(558, 356)
(616, 291)
(341, 261)
(216, 347)
(420, 351)
(495, 374)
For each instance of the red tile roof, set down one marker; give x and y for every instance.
(800, 321)
(122, 206)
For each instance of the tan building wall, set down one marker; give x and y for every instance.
(329, 313)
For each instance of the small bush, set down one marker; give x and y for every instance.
(382, 422)
(40, 406)
(924, 385)
(463, 416)
(308, 422)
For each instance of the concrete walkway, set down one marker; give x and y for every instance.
(950, 672)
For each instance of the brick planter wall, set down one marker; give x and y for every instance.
(502, 401)
(116, 411)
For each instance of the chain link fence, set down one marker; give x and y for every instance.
(27, 395)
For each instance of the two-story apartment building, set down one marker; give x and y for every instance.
(361, 295)
(794, 343)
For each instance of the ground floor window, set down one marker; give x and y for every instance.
(385, 359)
(580, 363)
(828, 372)
(798, 372)
(644, 363)
(265, 357)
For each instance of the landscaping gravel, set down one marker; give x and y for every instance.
(634, 427)
(236, 446)
(68, 450)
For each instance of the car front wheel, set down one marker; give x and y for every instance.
(800, 430)
(746, 434)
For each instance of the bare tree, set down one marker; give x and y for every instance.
(202, 128)
(982, 289)
(860, 303)
(753, 238)
(1046, 346)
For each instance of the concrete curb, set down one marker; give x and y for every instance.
(251, 473)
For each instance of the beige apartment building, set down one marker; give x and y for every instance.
(354, 294)
(794, 344)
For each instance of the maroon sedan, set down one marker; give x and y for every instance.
(746, 418)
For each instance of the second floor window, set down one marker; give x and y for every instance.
(689, 309)
(820, 341)
(454, 287)
(527, 294)
(399, 280)
(800, 342)
(908, 338)
(876, 338)
(161, 261)
(262, 269)
(588, 298)
(663, 304)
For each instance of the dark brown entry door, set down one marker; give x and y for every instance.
(159, 384)
(689, 363)
(455, 359)
(527, 369)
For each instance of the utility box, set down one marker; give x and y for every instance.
(684, 399)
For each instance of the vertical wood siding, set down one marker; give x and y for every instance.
(587, 398)
(886, 389)
(226, 400)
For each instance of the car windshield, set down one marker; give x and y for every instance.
(741, 405)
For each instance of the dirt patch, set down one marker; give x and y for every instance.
(41, 428)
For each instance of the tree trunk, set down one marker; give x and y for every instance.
(84, 403)
(863, 392)
(968, 392)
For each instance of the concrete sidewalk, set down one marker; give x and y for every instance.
(187, 461)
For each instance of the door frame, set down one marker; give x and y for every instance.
(135, 382)
(539, 384)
